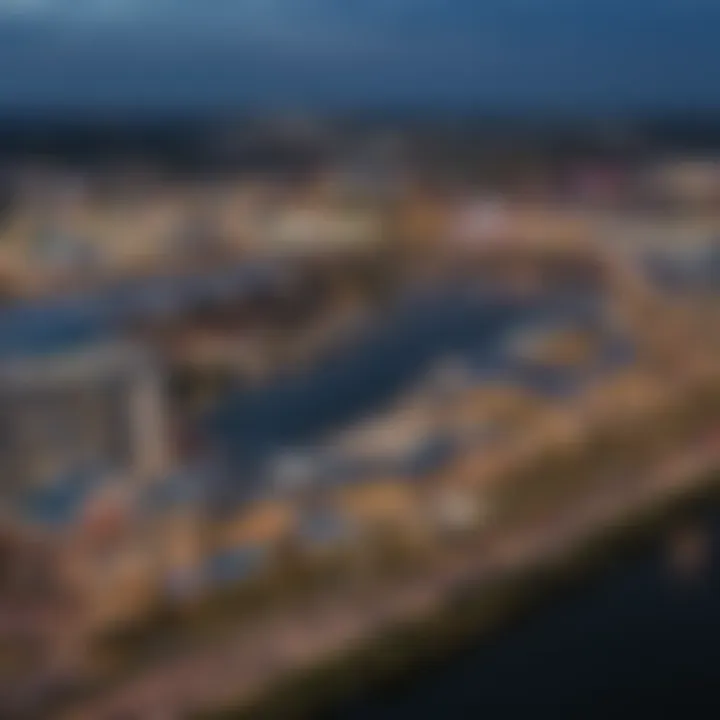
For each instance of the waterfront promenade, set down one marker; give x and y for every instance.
(246, 663)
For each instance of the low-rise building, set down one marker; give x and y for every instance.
(101, 407)
(313, 230)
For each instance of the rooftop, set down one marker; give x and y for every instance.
(102, 361)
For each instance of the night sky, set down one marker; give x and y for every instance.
(558, 55)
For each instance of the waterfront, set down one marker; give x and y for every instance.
(465, 325)
(343, 450)
(639, 639)
(403, 621)
(416, 337)
(52, 324)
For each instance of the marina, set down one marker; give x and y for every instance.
(268, 422)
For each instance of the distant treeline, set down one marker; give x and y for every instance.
(215, 143)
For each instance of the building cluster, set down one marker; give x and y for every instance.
(97, 492)
(170, 228)
(72, 226)
(93, 476)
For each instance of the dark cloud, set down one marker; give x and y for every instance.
(538, 52)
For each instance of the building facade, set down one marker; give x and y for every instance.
(100, 409)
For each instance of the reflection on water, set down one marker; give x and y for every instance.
(635, 643)
(689, 552)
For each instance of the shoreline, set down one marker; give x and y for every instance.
(472, 613)
(314, 650)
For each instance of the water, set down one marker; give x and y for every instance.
(640, 641)
(252, 428)
(256, 425)
(63, 323)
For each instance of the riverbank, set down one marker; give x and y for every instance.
(664, 451)
(471, 611)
